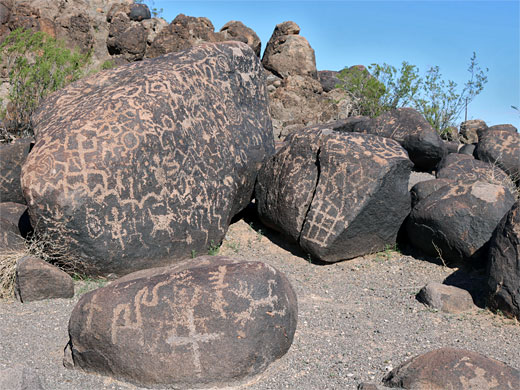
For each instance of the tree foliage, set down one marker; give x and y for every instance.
(386, 87)
(37, 65)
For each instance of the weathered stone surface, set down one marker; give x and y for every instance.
(457, 221)
(182, 33)
(207, 322)
(12, 157)
(299, 101)
(451, 368)
(20, 378)
(502, 148)
(139, 12)
(405, 125)
(14, 226)
(289, 54)
(449, 299)
(465, 168)
(503, 271)
(37, 280)
(452, 146)
(467, 149)
(505, 127)
(128, 175)
(469, 130)
(338, 195)
(126, 38)
(328, 79)
(237, 31)
(423, 189)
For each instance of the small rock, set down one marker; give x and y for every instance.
(37, 280)
(448, 299)
(139, 12)
(467, 149)
(469, 130)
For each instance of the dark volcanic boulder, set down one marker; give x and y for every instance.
(502, 148)
(405, 125)
(451, 368)
(465, 168)
(237, 31)
(126, 38)
(339, 195)
(470, 130)
(148, 162)
(37, 280)
(328, 79)
(12, 157)
(207, 322)
(467, 149)
(504, 265)
(289, 54)
(182, 33)
(139, 12)
(423, 189)
(456, 221)
(14, 226)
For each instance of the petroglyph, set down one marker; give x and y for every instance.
(193, 340)
(144, 156)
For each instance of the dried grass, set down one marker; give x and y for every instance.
(8, 260)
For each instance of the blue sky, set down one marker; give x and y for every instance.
(424, 33)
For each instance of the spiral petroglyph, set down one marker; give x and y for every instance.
(149, 161)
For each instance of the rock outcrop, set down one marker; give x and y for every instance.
(207, 322)
(339, 195)
(237, 31)
(503, 271)
(12, 157)
(148, 162)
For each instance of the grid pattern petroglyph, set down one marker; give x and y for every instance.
(351, 165)
(153, 156)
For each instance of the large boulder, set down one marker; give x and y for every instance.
(237, 31)
(14, 226)
(502, 148)
(503, 271)
(289, 54)
(469, 130)
(12, 157)
(182, 33)
(207, 322)
(451, 368)
(407, 126)
(339, 195)
(456, 222)
(148, 162)
(126, 38)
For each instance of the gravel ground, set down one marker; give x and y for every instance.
(357, 320)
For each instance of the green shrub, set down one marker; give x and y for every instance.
(38, 65)
(385, 88)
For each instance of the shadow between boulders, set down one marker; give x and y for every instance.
(473, 281)
(250, 216)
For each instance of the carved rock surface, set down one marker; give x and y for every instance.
(405, 125)
(37, 280)
(289, 54)
(465, 168)
(207, 322)
(502, 148)
(338, 195)
(504, 265)
(451, 368)
(12, 157)
(456, 221)
(144, 163)
(237, 31)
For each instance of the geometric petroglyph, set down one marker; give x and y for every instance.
(340, 195)
(197, 322)
(149, 161)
